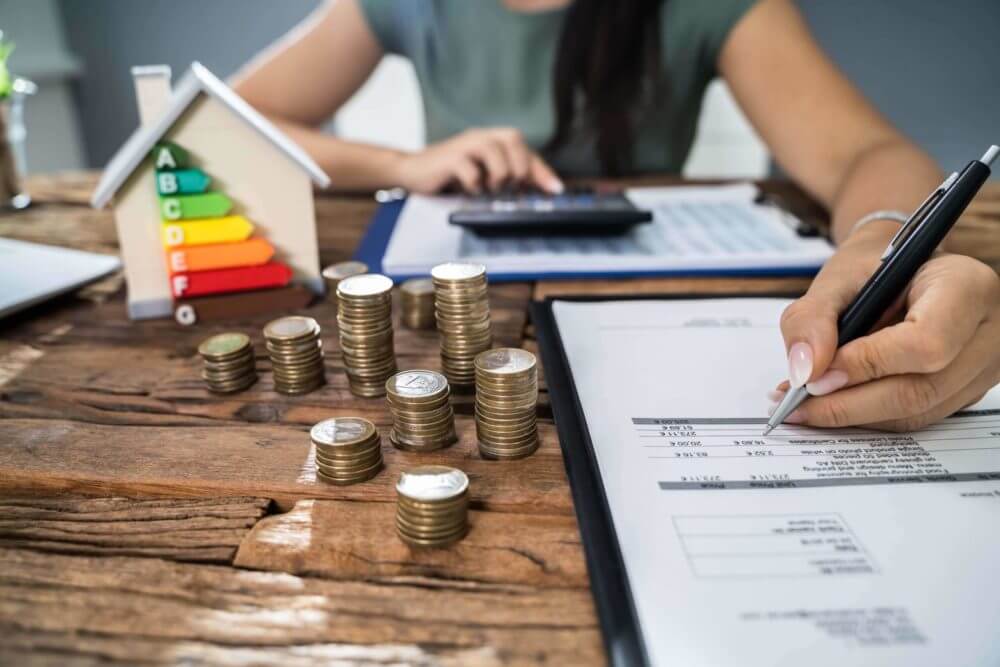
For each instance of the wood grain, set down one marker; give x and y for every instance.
(347, 540)
(178, 529)
(130, 610)
(270, 460)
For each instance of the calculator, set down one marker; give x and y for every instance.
(579, 211)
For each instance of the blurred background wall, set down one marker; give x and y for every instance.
(933, 67)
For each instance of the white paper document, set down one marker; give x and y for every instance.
(705, 228)
(807, 547)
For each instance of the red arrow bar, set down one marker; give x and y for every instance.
(200, 283)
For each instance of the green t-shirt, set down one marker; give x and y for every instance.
(481, 64)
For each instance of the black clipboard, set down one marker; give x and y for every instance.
(619, 619)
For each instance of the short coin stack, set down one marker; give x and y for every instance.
(432, 508)
(364, 316)
(416, 296)
(348, 450)
(334, 273)
(422, 418)
(462, 311)
(296, 353)
(229, 363)
(506, 397)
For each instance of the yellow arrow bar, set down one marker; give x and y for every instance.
(206, 230)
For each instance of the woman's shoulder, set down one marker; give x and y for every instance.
(700, 27)
(396, 23)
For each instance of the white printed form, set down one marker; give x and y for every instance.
(809, 546)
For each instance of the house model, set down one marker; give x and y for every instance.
(213, 204)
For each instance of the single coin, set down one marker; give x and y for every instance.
(224, 345)
(342, 430)
(416, 384)
(505, 361)
(291, 328)
(417, 287)
(432, 482)
(365, 285)
(342, 270)
(458, 271)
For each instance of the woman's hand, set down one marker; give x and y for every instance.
(938, 352)
(476, 160)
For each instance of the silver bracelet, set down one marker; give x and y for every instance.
(894, 215)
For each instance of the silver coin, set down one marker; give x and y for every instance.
(417, 287)
(342, 430)
(291, 328)
(342, 270)
(368, 284)
(457, 271)
(415, 384)
(505, 361)
(430, 483)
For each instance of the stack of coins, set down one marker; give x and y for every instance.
(506, 396)
(348, 450)
(296, 354)
(422, 418)
(334, 273)
(417, 298)
(463, 318)
(229, 363)
(364, 315)
(432, 509)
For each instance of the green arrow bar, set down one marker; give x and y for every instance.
(185, 207)
(168, 155)
(182, 182)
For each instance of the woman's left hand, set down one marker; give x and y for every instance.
(937, 353)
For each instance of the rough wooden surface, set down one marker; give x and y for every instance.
(133, 610)
(179, 529)
(92, 404)
(358, 541)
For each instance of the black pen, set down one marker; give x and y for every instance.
(908, 250)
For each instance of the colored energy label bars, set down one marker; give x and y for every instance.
(210, 251)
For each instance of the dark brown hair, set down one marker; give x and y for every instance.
(608, 55)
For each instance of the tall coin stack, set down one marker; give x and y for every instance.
(296, 353)
(432, 508)
(348, 450)
(506, 397)
(422, 418)
(364, 315)
(416, 296)
(462, 311)
(229, 363)
(334, 273)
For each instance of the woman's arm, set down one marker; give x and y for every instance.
(819, 127)
(842, 151)
(301, 80)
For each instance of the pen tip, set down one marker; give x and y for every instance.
(768, 429)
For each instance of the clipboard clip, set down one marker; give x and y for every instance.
(917, 218)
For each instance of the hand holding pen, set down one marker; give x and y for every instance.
(942, 356)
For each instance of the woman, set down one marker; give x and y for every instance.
(516, 91)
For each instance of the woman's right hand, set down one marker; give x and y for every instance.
(477, 160)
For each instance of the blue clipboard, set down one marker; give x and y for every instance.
(372, 248)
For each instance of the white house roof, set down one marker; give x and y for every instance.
(196, 80)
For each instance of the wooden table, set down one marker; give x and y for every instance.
(144, 520)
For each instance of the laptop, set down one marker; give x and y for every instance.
(31, 273)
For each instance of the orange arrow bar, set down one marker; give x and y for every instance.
(251, 252)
